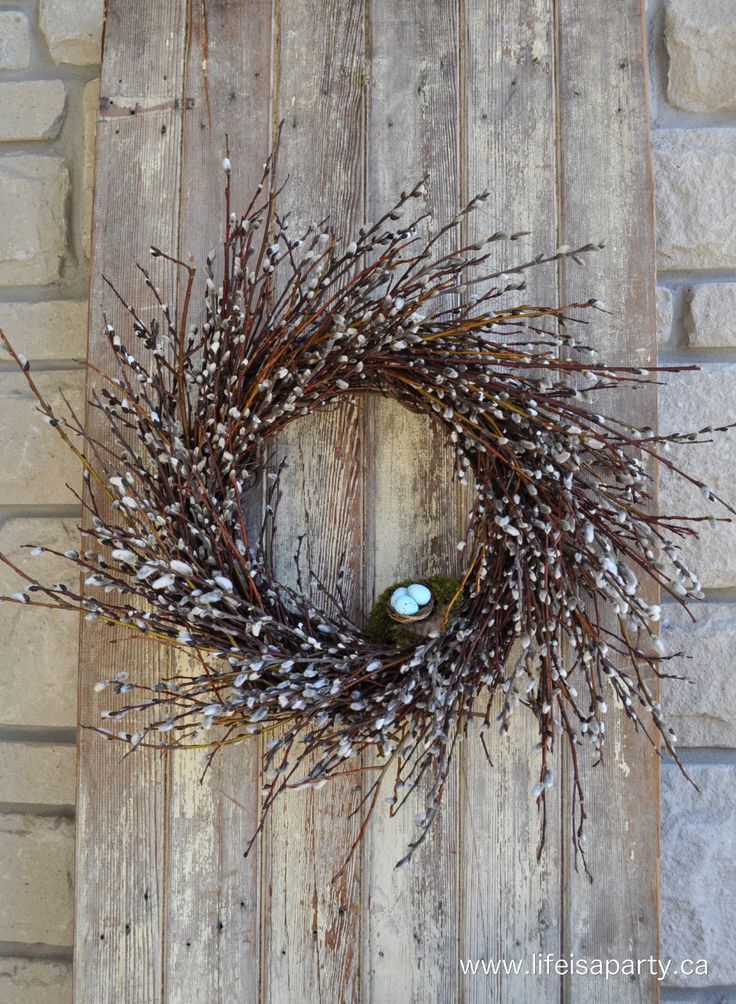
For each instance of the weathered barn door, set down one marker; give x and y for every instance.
(544, 103)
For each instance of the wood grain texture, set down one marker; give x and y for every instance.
(542, 102)
(311, 918)
(510, 905)
(121, 806)
(213, 892)
(606, 194)
(411, 516)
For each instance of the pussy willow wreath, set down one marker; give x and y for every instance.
(562, 539)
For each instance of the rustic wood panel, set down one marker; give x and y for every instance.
(121, 806)
(411, 517)
(543, 103)
(606, 186)
(213, 892)
(311, 910)
(510, 905)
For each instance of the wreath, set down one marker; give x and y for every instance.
(550, 616)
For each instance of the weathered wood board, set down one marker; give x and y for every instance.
(604, 178)
(545, 104)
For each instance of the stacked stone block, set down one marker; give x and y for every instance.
(693, 46)
(49, 65)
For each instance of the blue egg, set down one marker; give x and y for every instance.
(401, 591)
(405, 605)
(419, 593)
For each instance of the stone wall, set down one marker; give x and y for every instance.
(693, 81)
(49, 53)
(49, 68)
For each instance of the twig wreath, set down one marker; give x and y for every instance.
(561, 541)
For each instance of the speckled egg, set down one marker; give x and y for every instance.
(404, 605)
(419, 593)
(401, 591)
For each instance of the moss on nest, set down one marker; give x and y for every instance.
(383, 630)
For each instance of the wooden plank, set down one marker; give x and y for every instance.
(121, 854)
(213, 930)
(411, 515)
(311, 925)
(510, 905)
(606, 189)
